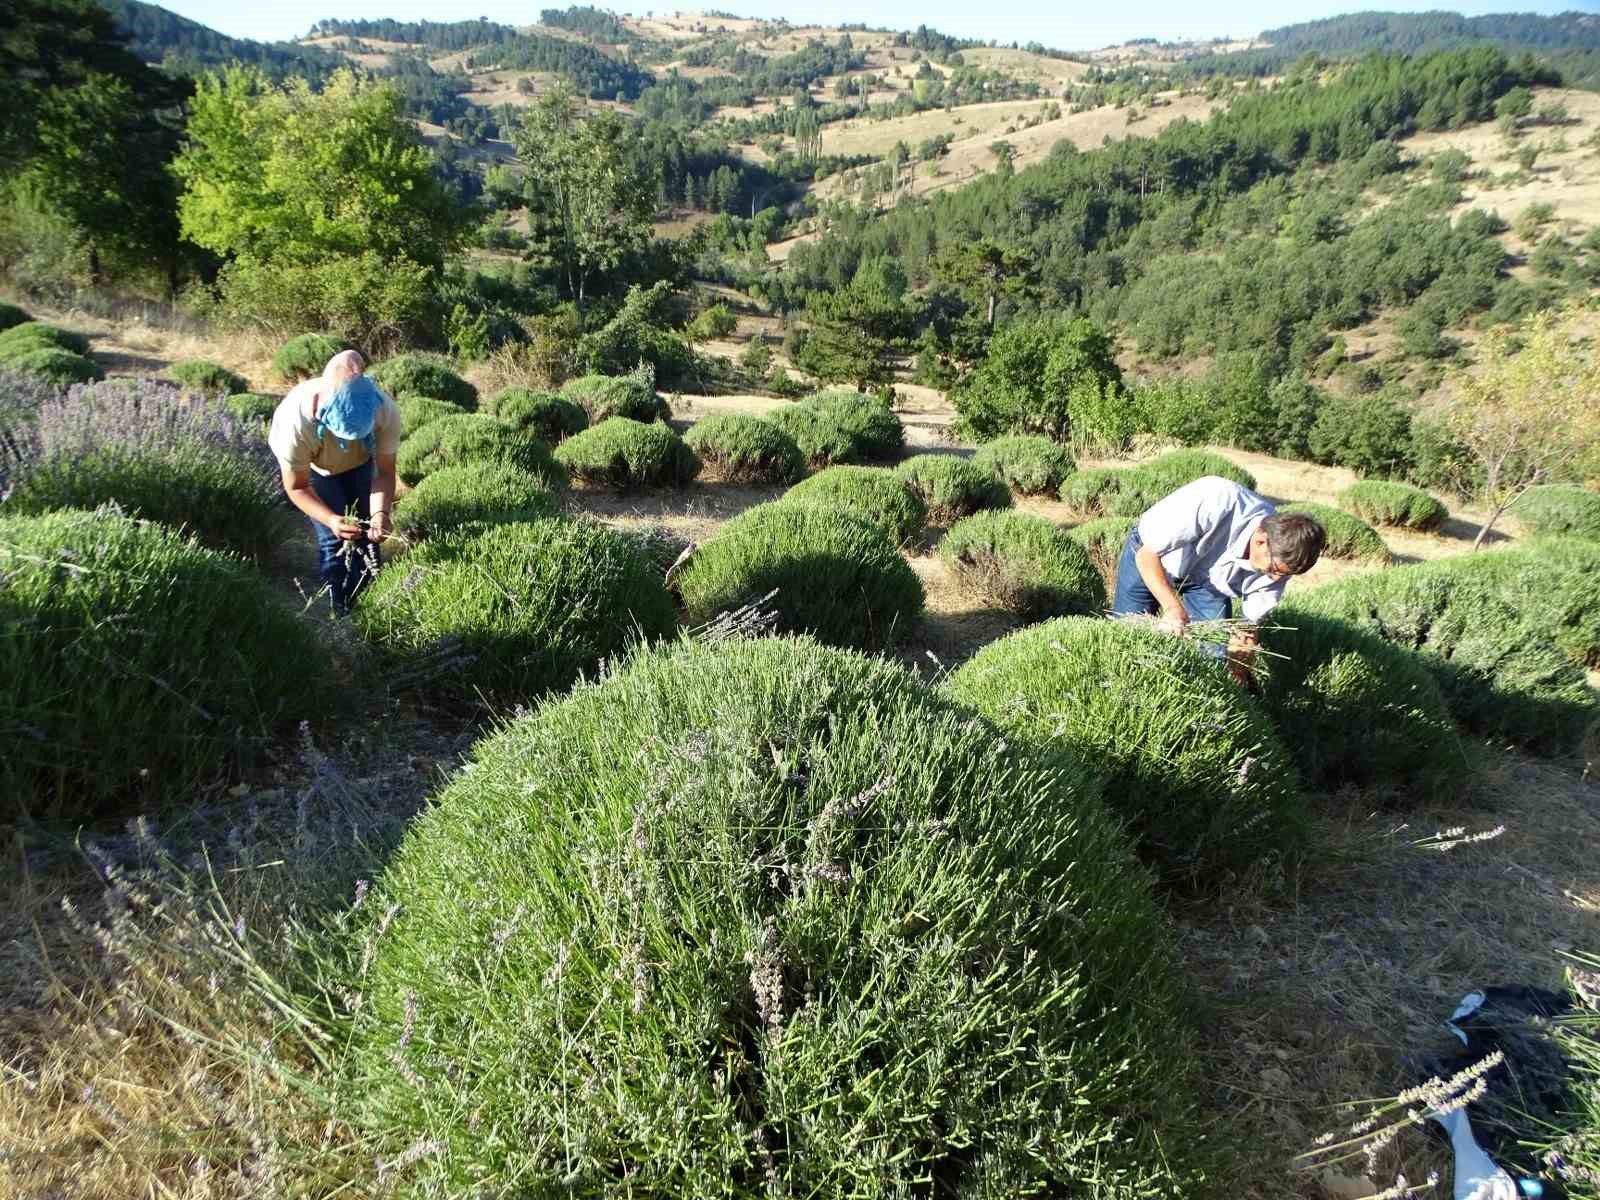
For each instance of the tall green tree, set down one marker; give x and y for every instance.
(854, 329)
(594, 198)
(1040, 376)
(87, 130)
(984, 271)
(326, 203)
(806, 130)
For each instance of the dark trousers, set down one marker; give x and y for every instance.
(346, 567)
(1200, 600)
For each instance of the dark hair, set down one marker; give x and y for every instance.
(1295, 539)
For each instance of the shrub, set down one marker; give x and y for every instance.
(781, 383)
(1368, 433)
(31, 335)
(21, 397)
(762, 881)
(837, 575)
(61, 367)
(305, 356)
(1399, 504)
(11, 316)
(877, 494)
(1550, 582)
(1499, 674)
(1180, 409)
(1094, 490)
(1348, 537)
(473, 493)
(636, 335)
(1178, 467)
(745, 449)
(660, 545)
(1044, 375)
(622, 453)
(1355, 709)
(531, 605)
(253, 408)
(369, 298)
(204, 378)
(1033, 466)
(756, 357)
(545, 414)
(190, 466)
(417, 375)
(1560, 510)
(605, 396)
(471, 437)
(1190, 760)
(1103, 539)
(952, 487)
(842, 427)
(1129, 491)
(1027, 564)
(12, 349)
(417, 411)
(142, 679)
(717, 321)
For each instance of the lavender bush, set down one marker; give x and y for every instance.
(767, 918)
(140, 443)
(136, 666)
(21, 396)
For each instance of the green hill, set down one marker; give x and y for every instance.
(1570, 41)
(186, 46)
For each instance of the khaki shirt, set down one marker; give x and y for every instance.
(294, 439)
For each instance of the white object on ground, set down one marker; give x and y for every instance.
(1476, 1175)
(1470, 1003)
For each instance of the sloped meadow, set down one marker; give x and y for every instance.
(630, 860)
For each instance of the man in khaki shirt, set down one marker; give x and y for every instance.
(335, 439)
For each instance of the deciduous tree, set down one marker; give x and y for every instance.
(326, 202)
(87, 129)
(1530, 414)
(594, 197)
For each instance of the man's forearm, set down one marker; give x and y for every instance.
(308, 502)
(1155, 578)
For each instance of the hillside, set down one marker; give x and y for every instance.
(1570, 40)
(160, 36)
(688, 749)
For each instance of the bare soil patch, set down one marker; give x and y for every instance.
(1568, 179)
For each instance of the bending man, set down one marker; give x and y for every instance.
(1207, 544)
(335, 439)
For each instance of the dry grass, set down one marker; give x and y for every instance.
(860, 135)
(1320, 988)
(1316, 982)
(1569, 179)
(1052, 74)
(981, 124)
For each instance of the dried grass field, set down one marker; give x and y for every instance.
(1317, 983)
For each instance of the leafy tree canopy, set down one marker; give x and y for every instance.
(285, 172)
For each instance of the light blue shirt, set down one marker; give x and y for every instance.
(1202, 533)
